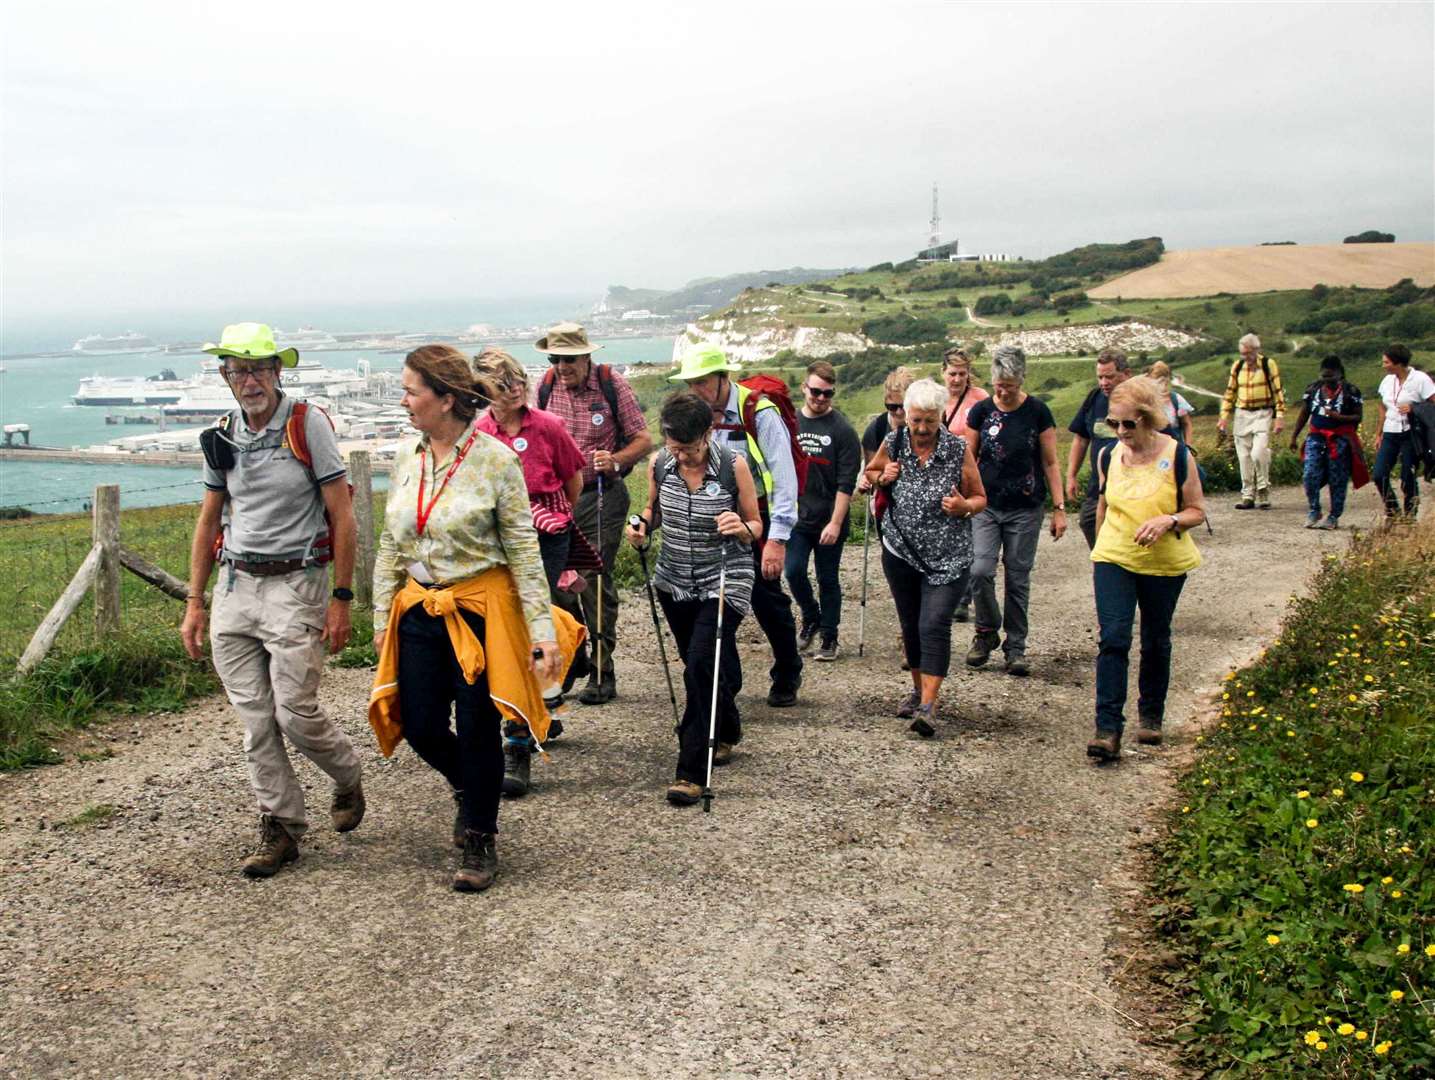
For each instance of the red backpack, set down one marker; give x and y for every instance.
(775, 390)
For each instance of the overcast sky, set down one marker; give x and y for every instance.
(189, 156)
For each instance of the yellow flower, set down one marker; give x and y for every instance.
(1313, 690)
(1273, 939)
(1386, 880)
(1206, 782)
(1312, 1037)
(1382, 1048)
(1290, 733)
(1406, 849)
(1370, 678)
(1430, 951)
(1250, 693)
(1225, 697)
(1361, 1036)
(1345, 1029)
(1253, 727)
(1311, 823)
(1302, 794)
(1357, 777)
(1351, 697)
(1397, 995)
(1396, 894)
(1402, 948)
(1185, 809)
(1338, 792)
(1354, 887)
(1322, 1045)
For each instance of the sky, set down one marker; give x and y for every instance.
(163, 156)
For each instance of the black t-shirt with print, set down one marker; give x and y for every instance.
(1009, 455)
(833, 462)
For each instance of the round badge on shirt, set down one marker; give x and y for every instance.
(1163, 464)
(597, 419)
(713, 489)
(825, 440)
(520, 444)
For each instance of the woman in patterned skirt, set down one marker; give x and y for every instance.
(934, 488)
(702, 496)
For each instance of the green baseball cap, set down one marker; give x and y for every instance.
(251, 341)
(703, 361)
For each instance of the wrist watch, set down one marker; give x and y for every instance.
(346, 595)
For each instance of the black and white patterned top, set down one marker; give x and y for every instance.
(943, 543)
(693, 550)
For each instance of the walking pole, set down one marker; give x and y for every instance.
(862, 612)
(717, 674)
(602, 566)
(636, 522)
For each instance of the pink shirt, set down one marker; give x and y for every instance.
(957, 422)
(548, 453)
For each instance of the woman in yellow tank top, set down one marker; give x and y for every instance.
(1142, 555)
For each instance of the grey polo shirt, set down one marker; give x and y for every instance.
(274, 508)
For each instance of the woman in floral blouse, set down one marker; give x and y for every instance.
(934, 488)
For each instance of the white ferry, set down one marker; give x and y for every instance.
(99, 345)
(306, 337)
(132, 390)
(209, 397)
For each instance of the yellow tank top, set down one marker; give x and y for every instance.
(1134, 495)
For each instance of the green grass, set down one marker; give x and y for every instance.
(90, 816)
(1298, 861)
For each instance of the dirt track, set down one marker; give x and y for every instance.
(858, 903)
(1263, 269)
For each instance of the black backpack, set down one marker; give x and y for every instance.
(663, 465)
(1183, 467)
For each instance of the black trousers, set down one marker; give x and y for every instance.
(430, 683)
(773, 611)
(694, 627)
(925, 614)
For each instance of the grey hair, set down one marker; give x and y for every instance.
(1009, 362)
(1251, 340)
(926, 395)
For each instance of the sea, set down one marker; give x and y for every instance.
(37, 391)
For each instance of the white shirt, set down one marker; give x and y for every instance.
(1417, 387)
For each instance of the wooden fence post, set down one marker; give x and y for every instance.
(361, 475)
(107, 539)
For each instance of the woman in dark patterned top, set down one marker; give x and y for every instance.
(934, 488)
(702, 496)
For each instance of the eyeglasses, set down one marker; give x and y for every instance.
(894, 406)
(820, 393)
(1124, 425)
(554, 359)
(236, 376)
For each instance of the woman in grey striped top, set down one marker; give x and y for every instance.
(702, 496)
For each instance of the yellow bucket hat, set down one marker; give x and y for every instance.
(703, 361)
(251, 341)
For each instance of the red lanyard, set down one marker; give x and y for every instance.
(422, 512)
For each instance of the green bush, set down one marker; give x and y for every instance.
(903, 329)
(992, 304)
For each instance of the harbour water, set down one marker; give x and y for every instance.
(37, 391)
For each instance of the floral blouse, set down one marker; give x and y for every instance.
(915, 518)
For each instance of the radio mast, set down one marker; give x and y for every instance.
(936, 237)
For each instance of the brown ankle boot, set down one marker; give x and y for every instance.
(1105, 746)
(479, 865)
(275, 848)
(347, 809)
(1148, 733)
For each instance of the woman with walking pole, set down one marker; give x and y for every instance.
(702, 496)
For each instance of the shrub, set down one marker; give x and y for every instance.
(1371, 236)
(1240, 307)
(903, 329)
(1030, 302)
(879, 268)
(992, 304)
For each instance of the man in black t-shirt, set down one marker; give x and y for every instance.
(834, 458)
(1091, 431)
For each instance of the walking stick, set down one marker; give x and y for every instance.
(862, 612)
(717, 674)
(602, 567)
(636, 522)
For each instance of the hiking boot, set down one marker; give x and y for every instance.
(1331, 524)
(909, 706)
(1016, 665)
(479, 864)
(459, 826)
(517, 758)
(684, 793)
(275, 848)
(599, 693)
(1105, 746)
(783, 697)
(1246, 504)
(722, 754)
(806, 635)
(922, 721)
(1263, 500)
(828, 651)
(347, 809)
(1148, 733)
(963, 613)
(1312, 520)
(983, 645)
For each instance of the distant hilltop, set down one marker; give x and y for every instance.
(701, 295)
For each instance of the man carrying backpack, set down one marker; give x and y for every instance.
(756, 427)
(600, 411)
(276, 512)
(1255, 398)
(1090, 429)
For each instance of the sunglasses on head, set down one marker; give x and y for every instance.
(894, 406)
(1124, 425)
(820, 393)
(553, 358)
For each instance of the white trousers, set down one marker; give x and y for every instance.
(1252, 434)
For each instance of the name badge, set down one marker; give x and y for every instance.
(598, 419)
(520, 444)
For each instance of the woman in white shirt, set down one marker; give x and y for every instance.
(1402, 387)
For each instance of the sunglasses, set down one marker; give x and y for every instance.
(819, 393)
(1124, 425)
(236, 376)
(894, 406)
(553, 359)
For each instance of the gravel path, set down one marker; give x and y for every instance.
(859, 902)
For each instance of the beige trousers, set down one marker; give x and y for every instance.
(1252, 435)
(267, 649)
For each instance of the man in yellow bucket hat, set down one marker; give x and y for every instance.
(276, 513)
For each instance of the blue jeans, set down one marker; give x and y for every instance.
(1322, 469)
(826, 558)
(1119, 593)
(1396, 446)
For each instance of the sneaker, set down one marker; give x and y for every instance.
(275, 848)
(1312, 520)
(983, 644)
(347, 809)
(459, 825)
(963, 613)
(1246, 504)
(1148, 733)
(722, 754)
(684, 793)
(599, 693)
(909, 706)
(1330, 524)
(806, 635)
(517, 758)
(828, 651)
(1016, 665)
(922, 722)
(478, 867)
(1105, 746)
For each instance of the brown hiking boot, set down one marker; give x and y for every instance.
(684, 793)
(722, 754)
(1105, 746)
(1148, 733)
(479, 866)
(275, 848)
(347, 809)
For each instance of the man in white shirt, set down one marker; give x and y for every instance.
(1402, 387)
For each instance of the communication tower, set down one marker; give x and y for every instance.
(936, 230)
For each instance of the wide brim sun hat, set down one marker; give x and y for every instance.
(566, 339)
(703, 361)
(251, 341)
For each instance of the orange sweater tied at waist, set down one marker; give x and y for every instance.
(493, 596)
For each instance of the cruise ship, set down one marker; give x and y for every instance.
(100, 345)
(131, 390)
(306, 337)
(209, 396)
